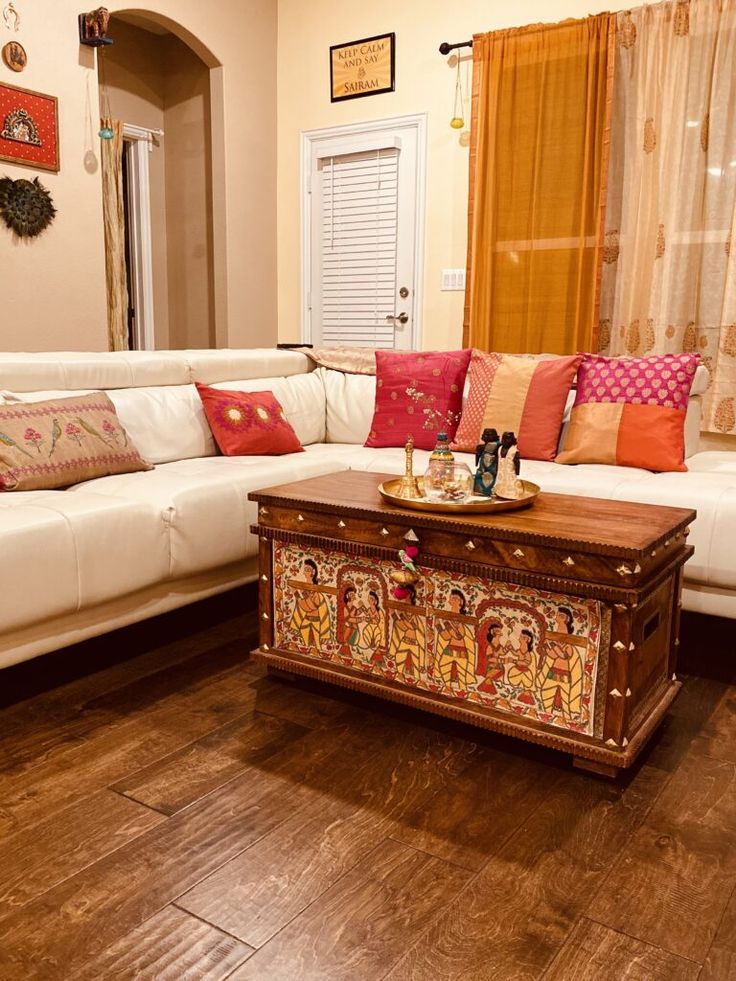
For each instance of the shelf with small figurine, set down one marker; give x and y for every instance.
(449, 486)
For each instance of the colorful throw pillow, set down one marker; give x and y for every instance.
(417, 394)
(48, 445)
(248, 423)
(523, 395)
(631, 411)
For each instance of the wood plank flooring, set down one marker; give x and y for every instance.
(168, 813)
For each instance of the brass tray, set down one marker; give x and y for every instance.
(476, 505)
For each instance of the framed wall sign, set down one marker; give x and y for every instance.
(364, 67)
(29, 128)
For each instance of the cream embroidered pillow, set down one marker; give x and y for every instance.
(48, 445)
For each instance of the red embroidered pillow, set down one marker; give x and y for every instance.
(631, 411)
(524, 395)
(417, 394)
(248, 423)
(48, 445)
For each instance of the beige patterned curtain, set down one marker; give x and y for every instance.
(669, 272)
(114, 219)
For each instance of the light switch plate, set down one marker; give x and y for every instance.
(453, 279)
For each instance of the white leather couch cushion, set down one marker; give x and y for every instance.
(302, 398)
(208, 367)
(166, 422)
(351, 401)
(72, 371)
(204, 502)
(63, 552)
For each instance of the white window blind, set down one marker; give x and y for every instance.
(357, 244)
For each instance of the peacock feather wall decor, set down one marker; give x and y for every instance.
(25, 206)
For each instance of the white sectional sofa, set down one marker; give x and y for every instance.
(111, 551)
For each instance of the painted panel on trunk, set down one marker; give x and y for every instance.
(519, 650)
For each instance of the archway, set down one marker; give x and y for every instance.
(162, 83)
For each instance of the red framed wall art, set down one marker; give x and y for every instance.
(29, 128)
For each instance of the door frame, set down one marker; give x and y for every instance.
(309, 142)
(138, 143)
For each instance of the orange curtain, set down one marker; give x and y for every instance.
(538, 162)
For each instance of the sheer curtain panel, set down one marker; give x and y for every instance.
(669, 270)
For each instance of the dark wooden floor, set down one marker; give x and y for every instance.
(168, 812)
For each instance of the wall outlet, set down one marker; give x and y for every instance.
(453, 279)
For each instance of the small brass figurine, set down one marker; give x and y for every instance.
(508, 484)
(408, 485)
(486, 461)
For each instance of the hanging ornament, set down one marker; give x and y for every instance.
(11, 17)
(457, 121)
(105, 131)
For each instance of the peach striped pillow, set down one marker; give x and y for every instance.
(526, 396)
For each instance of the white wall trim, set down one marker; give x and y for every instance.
(309, 143)
(141, 249)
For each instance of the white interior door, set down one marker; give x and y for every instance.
(363, 238)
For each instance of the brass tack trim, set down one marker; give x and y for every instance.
(615, 693)
(385, 531)
(632, 646)
(517, 553)
(300, 517)
(623, 570)
(569, 561)
(628, 693)
(674, 677)
(686, 532)
(677, 641)
(265, 648)
(264, 577)
(637, 568)
(618, 646)
(666, 543)
(265, 616)
(653, 552)
(611, 742)
(470, 545)
(411, 536)
(625, 741)
(621, 607)
(341, 524)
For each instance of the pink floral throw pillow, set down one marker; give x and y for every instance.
(418, 393)
(48, 445)
(631, 411)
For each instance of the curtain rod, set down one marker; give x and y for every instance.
(446, 48)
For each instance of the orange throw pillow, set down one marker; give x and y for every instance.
(631, 412)
(49, 445)
(523, 395)
(248, 423)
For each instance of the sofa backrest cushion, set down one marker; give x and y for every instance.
(75, 371)
(350, 403)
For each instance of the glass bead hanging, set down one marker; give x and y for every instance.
(106, 131)
(457, 121)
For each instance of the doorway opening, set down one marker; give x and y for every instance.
(159, 88)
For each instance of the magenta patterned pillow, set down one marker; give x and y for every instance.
(48, 445)
(631, 411)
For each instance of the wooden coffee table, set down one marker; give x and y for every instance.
(556, 624)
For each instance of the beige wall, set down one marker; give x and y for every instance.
(424, 83)
(55, 284)
(188, 151)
